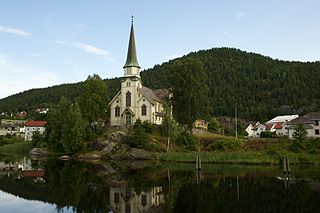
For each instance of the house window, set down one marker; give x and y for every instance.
(317, 123)
(143, 200)
(316, 131)
(116, 198)
(117, 111)
(128, 99)
(143, 110)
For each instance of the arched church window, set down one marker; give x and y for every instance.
(128, 99)
(143, 110)
(117, 111)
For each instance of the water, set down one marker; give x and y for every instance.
(50, 185)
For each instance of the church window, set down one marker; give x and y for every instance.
(117, 111)
(128, 99)
(116, 198)
(144, 200)
(143, 110)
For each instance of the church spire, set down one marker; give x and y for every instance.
(132, 55)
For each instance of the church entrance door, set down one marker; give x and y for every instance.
(128, 119)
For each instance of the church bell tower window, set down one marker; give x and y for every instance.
(128, 99)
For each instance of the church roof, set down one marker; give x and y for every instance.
(154, 95)
(132, 60)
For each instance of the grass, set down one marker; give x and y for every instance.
(16, 148)
(236, 157)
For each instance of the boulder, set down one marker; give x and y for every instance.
(38, 152)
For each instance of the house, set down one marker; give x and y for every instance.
(310, 122)
(33, 126)
(278, 124)
(254, 130)
(125, 199)
(201, 124)
(135, 101)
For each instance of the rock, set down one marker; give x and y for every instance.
(109, 147)
(138, 154)
(118, 136)
(38, 152)
(64, 157)
(89, 156)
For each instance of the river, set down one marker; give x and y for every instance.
(50, 185)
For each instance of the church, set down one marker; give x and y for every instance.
(135, 101)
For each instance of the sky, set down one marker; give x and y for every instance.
(50, 42)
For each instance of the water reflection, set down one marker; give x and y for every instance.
(62, 186)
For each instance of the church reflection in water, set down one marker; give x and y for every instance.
(125, 200)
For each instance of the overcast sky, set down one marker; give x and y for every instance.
(49, 42)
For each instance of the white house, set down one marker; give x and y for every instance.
(310, 122)
(33, 126)
(279, 124)
(135, 101)
(255, 130)
(124, 199)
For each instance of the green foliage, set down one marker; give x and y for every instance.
(266, 134)
(214, 125)
(190, 91)
(187, 141)
(226, 144)
(72, 131)
(137, 135)
(148, 126)
(93, 100)
(37, 139)
(9, 139)
(300, 133)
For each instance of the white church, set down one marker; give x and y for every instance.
(135, 101)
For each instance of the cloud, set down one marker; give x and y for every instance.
(86, 48)
(15, 31)
(241, 15)
(18, 77)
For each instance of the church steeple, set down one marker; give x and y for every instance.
(132, 54)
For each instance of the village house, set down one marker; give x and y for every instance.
(310, 122)
(135, 101)
(33, 126)
(202, 124)
(11, 127)
(278, 124)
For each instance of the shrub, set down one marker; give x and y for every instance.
(266, 134)
(187, 141)
(226, 144)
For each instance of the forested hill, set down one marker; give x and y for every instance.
(260, 87)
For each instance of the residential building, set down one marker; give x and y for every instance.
(311, 123)
(135, 101)
(255, 130)
(33, 126)
(201, 124)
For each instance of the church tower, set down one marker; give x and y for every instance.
(135, 101)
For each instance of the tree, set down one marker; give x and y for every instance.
(190, 91)
(72, 130)
(168, 126)
(214, 125)
(93, 100)
(137, 135)
(300, 133)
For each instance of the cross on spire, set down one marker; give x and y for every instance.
(132, 19)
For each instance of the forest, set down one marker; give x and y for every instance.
(258, 86)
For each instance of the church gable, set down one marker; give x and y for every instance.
(115, 99)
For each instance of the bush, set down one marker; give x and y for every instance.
(266, 134)
(226, 144)
(148, 126)
(137, 135)
(187, 141)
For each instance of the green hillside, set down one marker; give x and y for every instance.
(260, 87)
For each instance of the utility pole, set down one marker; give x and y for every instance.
(235, 120)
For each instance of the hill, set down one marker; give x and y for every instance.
(260, 87)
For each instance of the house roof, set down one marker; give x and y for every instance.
(32, 173)
(282, 118)
(306, 119)
(35, 123)
(278, 125)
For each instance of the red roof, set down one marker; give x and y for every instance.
(33, 173)
(278, 125)
(35, 123)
